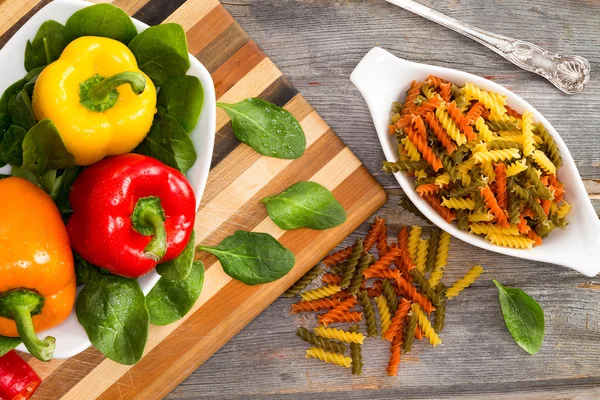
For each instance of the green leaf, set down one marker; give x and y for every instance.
(103, 20)
(11, 147)
(169, 301)
(25, 174)
(179, 268)
(523, 316)
(267, 128)
(252, 257)
(305, 205)
(161, 52)
(182, 97)
(44, 149)
(63, 190)
(47, 46)
(21, 111)
(10, 93)
(7, 344)
(5, 122)
(169, 143)
(113, 312)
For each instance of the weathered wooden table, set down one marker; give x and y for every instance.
(317, 43)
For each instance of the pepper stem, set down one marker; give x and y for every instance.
(99, 94)
(148, 218)
(20, 305)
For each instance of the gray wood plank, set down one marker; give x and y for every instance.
(317, 43)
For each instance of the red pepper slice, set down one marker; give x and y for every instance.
(130, 212)
(18, 380)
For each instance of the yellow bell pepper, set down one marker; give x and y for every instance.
(97, 97)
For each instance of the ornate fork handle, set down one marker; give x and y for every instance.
(568, 73)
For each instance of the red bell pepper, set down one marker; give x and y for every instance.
(18, 380)
(130, 212)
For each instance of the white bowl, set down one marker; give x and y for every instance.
(71, 339)
(383, 78)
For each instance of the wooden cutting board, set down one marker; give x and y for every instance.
(238, 179)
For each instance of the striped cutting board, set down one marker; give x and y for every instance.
(238, 179)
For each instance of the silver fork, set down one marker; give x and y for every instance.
(568, 73)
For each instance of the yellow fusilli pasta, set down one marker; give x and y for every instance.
(494, 102)
(484, 229)
(421, 257)
(515, 242)
(496, 155)
(420, 174)
(485, 134)
(320, 293)
(458, 203)
(528, 137)
(413, 241)
(480, 217)
(516, 168)
(341, 335)
(464, 282)
(384, 314)
(411, 151)
(442, 180)
(425, 325)
(562, 211)
(329, 357)
(450, 126)
(544, 162)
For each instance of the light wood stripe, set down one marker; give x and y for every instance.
(12, 11)
(130, 6)
(102, 377)
(191, 12)
(251, 85)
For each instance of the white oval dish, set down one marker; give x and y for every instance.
(383, 78)
(71, 338)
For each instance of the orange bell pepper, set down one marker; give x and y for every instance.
(37, 276)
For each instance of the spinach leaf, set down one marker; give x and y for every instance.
(179, 268)
(161, 52)
(21, 111)
(11, 147)
(10, 93)
(5, 121)
(523, 316)
(46, 47)
(3, 176)
(103, 20)
(7, 344)
(182, 96)
(25, 174)
(168, 142)
(169, 301)
(305, 205)
(252, 257)
(113, 312)
(44, 149)
(270, 130)
(63, 189)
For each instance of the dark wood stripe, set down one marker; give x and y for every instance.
(223, 47)
(156, 383)
(13, 29)
(156, 11)
(239, 65)
(279, 92)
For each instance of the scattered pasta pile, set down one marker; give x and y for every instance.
(477, 161)
(404, 282)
